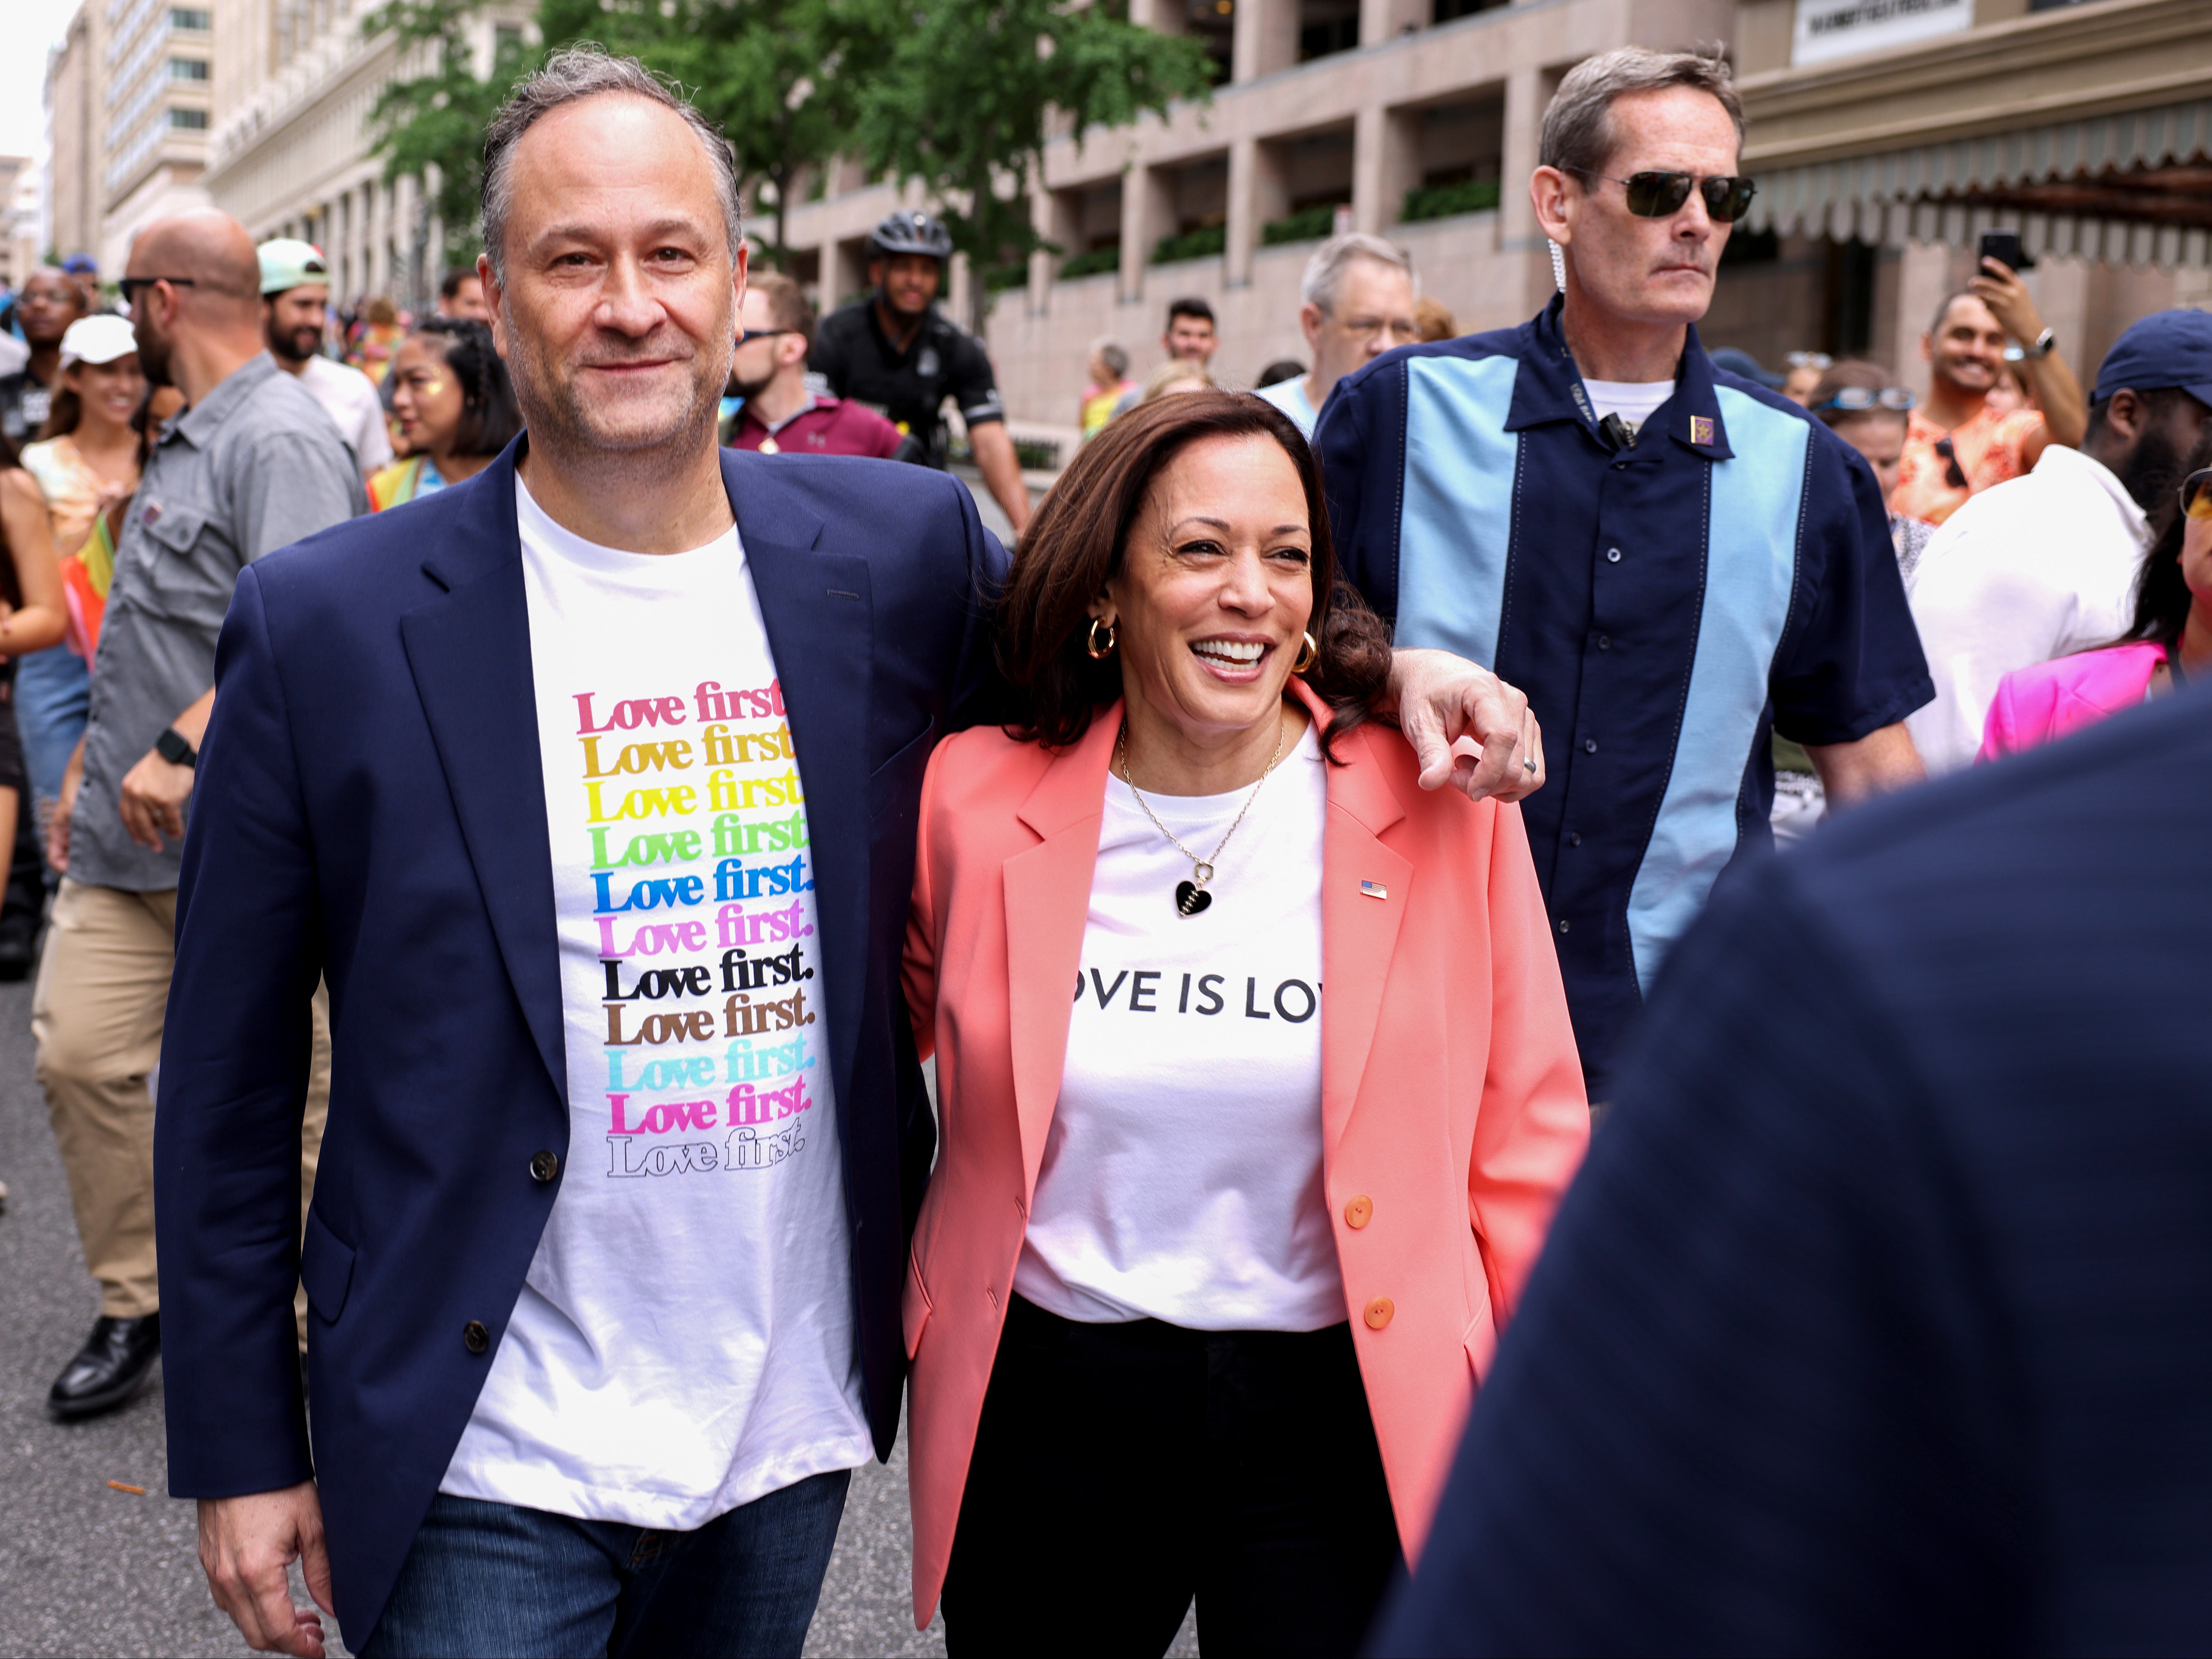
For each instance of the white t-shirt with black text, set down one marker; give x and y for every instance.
(684, 1342)
(1181, 1180)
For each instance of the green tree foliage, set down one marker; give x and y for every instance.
(964, 98)
(957, 95)
(783, 79)
(430, 126)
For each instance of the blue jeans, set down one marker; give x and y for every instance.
(485, 1579)
(53, 691)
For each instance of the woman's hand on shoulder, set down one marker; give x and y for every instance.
(1469, 728)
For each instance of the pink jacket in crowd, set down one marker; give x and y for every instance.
(2047, 700)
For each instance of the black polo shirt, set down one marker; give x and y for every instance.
(908, 388)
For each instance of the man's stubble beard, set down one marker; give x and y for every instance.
(2152, 471)
(557, 424)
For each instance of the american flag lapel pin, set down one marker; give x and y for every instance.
(1701, 429)
(1374, 889)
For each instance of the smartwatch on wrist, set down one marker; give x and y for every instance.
(2043, 344)
(172, 747)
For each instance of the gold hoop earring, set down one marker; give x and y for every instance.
(1099, 653)
(1308, 657)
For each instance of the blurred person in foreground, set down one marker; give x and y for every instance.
(1880, 1318)
(778, 414)
(1356, 299)
(453, 403)
(1588, 505)
(1959, 443)
(2167, 645)
(1264, 1233)
(295, 294)
(2044, 566)
(423, 777)
(253, 464)
(460, 295)
(892, 351)
(1108, 370)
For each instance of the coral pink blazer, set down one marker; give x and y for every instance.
(1452, 1107)
(2042, 702)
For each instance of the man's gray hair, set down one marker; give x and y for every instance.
(1579, 135)
(1323, 284)
(585, 71)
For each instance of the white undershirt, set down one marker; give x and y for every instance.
(1182, 1177)
(1634, 401)
(684, 1342)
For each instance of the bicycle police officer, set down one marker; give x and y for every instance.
(896, 353)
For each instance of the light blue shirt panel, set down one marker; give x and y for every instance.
(1750, 568)
(1290, 396)
(1455, 527)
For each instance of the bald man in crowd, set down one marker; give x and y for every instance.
(251, 465)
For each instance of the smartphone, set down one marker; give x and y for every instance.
(2004, 246)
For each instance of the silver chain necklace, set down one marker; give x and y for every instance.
(1191, 896)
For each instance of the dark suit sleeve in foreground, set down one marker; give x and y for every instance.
(233, 1089)
(1755, 1401)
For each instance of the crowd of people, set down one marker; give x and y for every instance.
(1288, 853)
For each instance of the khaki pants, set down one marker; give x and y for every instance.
(103, 985)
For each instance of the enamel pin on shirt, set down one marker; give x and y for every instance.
(1374, 889)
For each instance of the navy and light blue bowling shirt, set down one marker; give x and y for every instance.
(1665, 609)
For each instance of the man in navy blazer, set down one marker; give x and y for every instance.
(591, 784)
(1880, 1319)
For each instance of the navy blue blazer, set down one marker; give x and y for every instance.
(1880, 1319)
(370, 807)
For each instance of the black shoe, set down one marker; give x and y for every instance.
(18, 946)
(109, 1369)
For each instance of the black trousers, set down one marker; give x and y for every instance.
(1120, 1469)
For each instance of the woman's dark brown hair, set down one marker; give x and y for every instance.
(1079, 538)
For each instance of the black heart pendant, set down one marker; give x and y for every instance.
(1191, 898)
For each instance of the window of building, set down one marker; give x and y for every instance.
(201, 21)
(1326, 28)
(191, 120)
(1215, 23)
(1446, 11)
(188, 69)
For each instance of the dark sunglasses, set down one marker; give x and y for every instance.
(1954, 474)
(2197, 495)
(745, 334)
(1660, 195)
(1855, 399)
(131, 286)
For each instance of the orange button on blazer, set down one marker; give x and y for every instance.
(1452, 1107)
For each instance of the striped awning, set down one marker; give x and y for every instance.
(2093, 188)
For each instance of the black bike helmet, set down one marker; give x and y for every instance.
(909, 232)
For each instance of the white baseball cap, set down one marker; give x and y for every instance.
(99, 339)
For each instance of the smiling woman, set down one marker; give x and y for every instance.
(1196, 819)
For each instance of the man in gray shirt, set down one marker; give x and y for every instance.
(252, 465)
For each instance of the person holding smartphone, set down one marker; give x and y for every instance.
(1957, 441)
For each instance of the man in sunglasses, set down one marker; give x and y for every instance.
(776, 411)
(2045, 565)
(1672, 561)
(252, 465)
(1959, 442)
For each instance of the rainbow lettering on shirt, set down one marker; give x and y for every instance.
(700, 891)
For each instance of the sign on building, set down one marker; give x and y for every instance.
(1829, 29)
